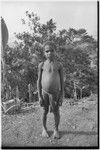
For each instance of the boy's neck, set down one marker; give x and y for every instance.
(51, 60)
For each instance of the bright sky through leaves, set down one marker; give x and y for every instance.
(73, 14)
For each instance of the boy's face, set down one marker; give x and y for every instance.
(49, 51)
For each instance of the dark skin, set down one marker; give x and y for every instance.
(50, 78)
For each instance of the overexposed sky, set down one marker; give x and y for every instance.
(66, 14)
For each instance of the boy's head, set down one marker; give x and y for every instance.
(49, 43)
(49, 49)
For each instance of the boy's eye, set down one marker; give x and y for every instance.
(49, 51)
(46, 51)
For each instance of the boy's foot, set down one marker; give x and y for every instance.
(56, 134)
(44, 133)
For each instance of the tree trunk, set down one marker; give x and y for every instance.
(4, 40)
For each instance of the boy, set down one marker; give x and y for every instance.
(50, 87)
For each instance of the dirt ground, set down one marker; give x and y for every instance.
(78, 126)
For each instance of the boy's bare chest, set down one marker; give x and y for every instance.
(50, 68)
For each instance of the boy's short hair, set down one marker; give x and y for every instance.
(49, 43)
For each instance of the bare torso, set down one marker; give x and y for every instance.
(50, 77)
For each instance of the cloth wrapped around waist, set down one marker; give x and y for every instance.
(53, 100)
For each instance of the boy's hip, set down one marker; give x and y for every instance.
(51, 100)
(53, 95)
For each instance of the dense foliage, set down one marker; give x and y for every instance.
(76, 50)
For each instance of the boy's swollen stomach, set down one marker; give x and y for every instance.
(51, 82)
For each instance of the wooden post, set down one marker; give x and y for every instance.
(7, 95)
(75, 94)
(30, 94)
(91, 94)
(17, 93)
(81, 93)
(9, 92)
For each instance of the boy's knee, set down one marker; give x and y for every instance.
(45, 111)
(56, 113)
(56, 110)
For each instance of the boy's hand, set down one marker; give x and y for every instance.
(60, 103)
(41, 101)
(60, 100)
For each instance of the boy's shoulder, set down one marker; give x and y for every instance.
(41, 65)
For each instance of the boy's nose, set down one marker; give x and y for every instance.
(49, 52)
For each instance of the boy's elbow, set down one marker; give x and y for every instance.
(38, 83)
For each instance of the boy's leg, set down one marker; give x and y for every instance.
(45, 112)
(56, 123)
(44, 119)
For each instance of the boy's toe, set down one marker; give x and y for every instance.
(56, 135)
(45, 134)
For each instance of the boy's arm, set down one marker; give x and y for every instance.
(39, 88)
(61, 80)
